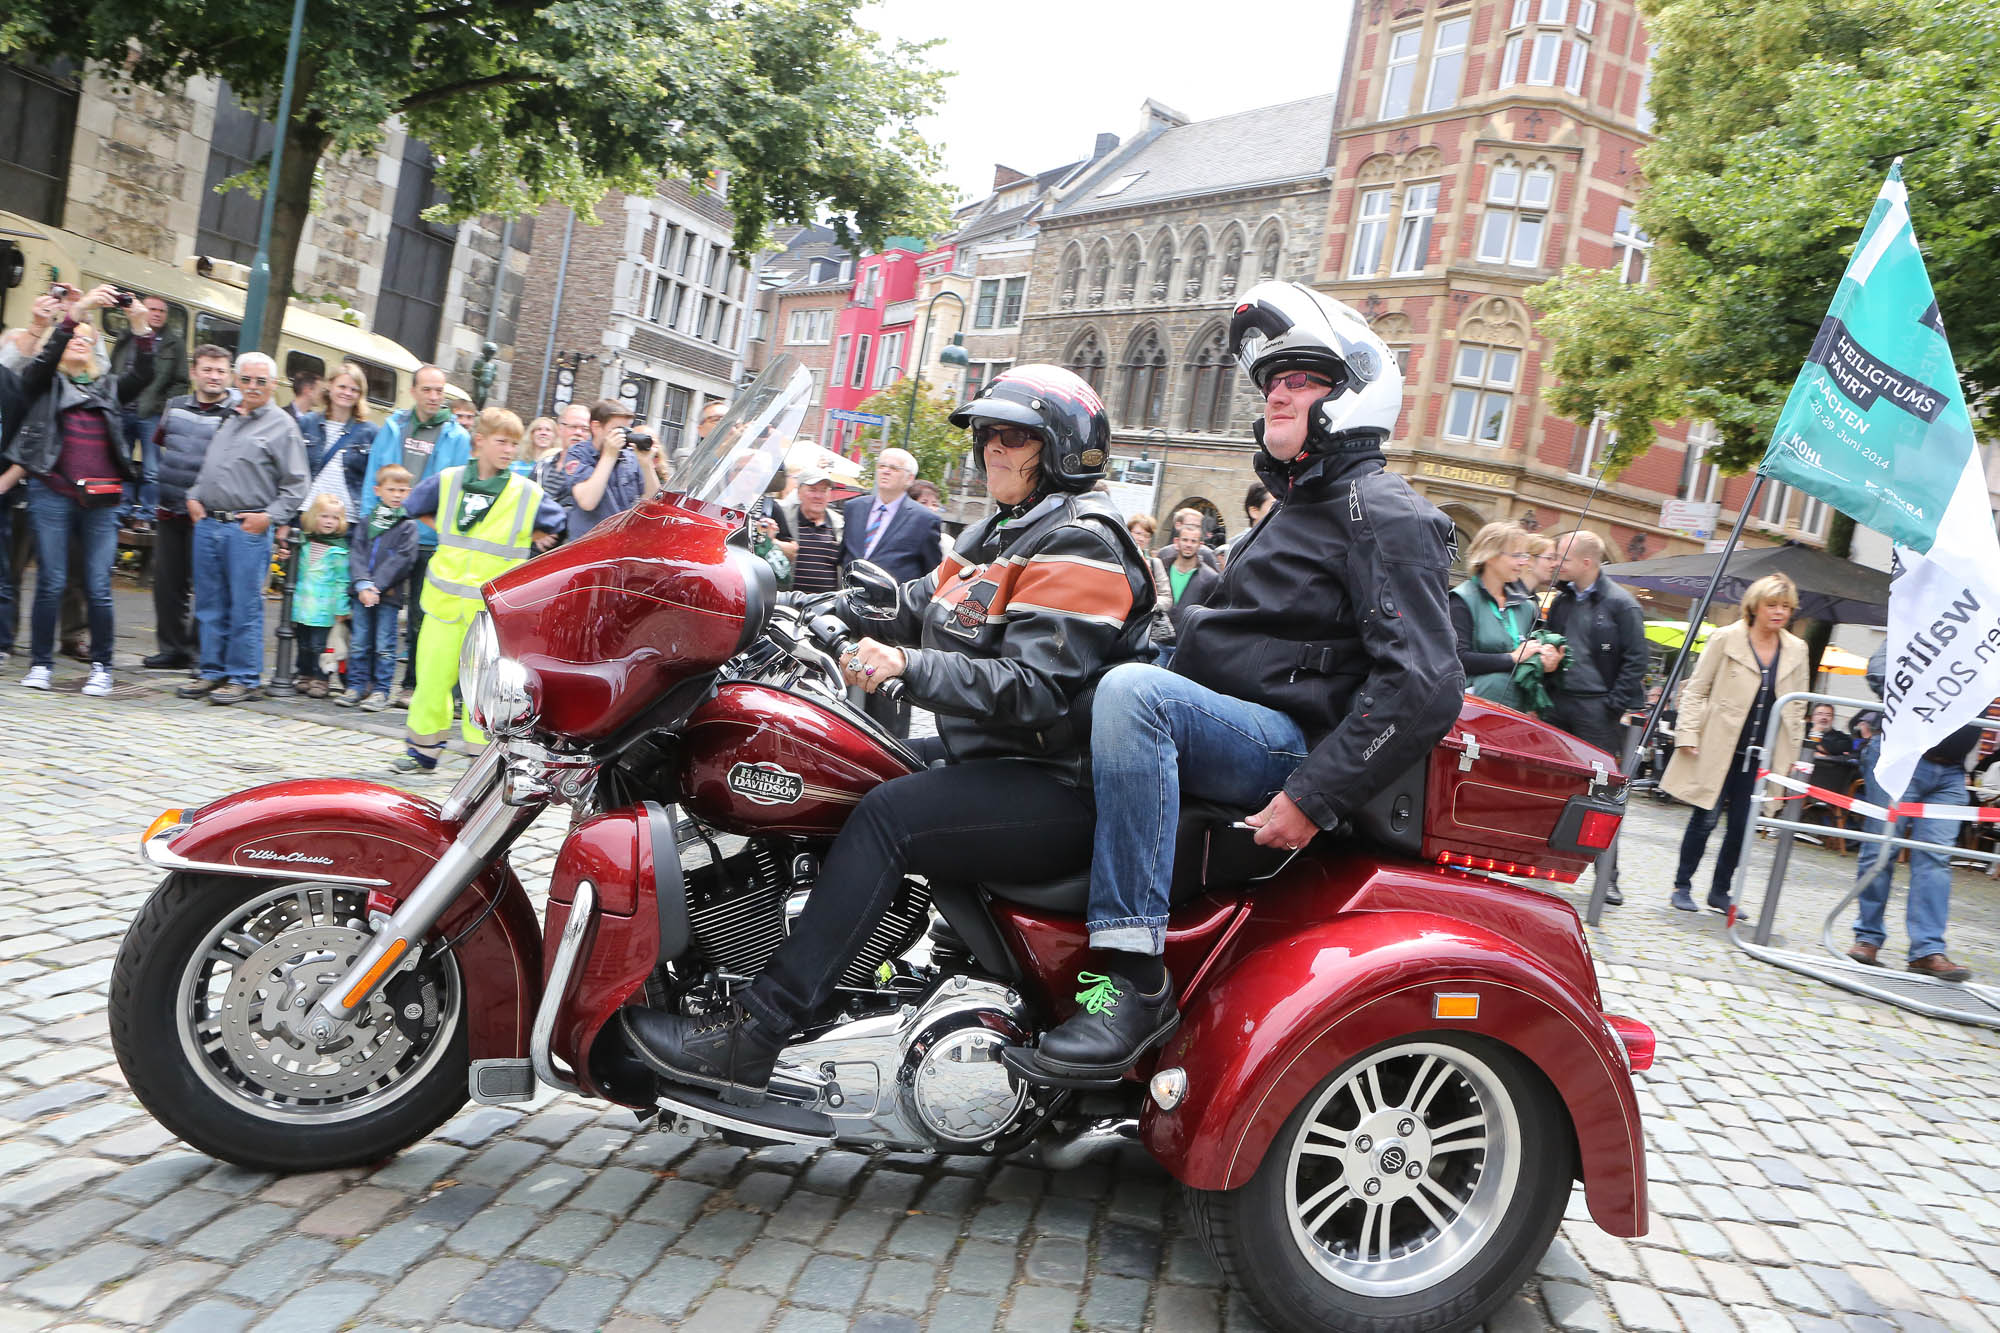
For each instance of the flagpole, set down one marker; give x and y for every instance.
(1596, 908)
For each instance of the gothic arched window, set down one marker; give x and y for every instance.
(1086, 359)
(1072, 275)
(1270, 249)
(1130, 265)
(1100, 272)
(1197, 269)
(1211, 377)
(1163, 266)
(1232, 264)
(1145, 380)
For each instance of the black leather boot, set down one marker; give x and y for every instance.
(1114, 1026)
(730, 1053)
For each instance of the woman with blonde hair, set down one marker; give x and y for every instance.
(1492, 619)
(1723, 713)
(338, 439)
(1538, 576)
(541, 451)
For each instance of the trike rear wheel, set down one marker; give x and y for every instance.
(1412, 1190)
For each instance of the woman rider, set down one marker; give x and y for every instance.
(1004, 642)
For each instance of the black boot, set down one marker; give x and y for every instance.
(1113, 1028)
(730, 1053)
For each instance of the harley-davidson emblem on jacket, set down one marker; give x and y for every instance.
(766, 784)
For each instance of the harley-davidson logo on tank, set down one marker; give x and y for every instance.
(766, 784)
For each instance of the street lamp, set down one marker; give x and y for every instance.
(954, 355)
(250, 337)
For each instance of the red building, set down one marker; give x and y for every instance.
(872, 341)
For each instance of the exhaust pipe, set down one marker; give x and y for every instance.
(1065, 1151)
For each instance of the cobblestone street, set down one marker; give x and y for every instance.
(1818, 1161)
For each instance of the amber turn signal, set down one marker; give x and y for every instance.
(167, 819)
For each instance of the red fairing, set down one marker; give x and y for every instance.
(1051, 948)
(1504, 802)
(1336, 959)
(615, 853)
(608, 623)
(340, 827)
(761, 760)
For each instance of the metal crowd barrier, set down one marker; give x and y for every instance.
(1960, 1002)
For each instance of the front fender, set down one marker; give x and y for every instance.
(1285, 1015)
(385, 840)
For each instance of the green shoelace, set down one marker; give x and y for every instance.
(1098, 995)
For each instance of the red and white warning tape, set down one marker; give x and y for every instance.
(1900, 810)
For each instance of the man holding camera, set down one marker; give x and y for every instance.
(151, 364)
(609, 473)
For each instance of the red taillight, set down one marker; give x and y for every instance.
(1598, 829)
(1636, 1038)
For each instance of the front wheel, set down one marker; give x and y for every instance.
(209, 999)
(1410, 1192)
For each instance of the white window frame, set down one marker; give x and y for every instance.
(1477, 385)
(1413, 234)
(1552, 11)
(1371, 229)
(992, 314)
(1400, 84)
(1510, 63)
(1447, 64)
(1514, 228)
(1579, 59)
(1773, 504)
(1586, 15)
(1631, 248)
(858, 376)
(1813, 514)
(1598, 439)
(1643, 117)
(1697, 473)
(1520, 14)
(888, 359)
(1541, 72)
(1014, 293)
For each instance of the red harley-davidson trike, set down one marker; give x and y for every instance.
(1392, 1066)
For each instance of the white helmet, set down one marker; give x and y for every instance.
(1280, 326)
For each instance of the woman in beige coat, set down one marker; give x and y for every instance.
(1724, 708)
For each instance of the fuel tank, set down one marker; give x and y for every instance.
(608, 623)
(759, 759)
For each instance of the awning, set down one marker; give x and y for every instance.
(1830, 588)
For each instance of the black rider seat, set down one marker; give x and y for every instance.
(1208, 852)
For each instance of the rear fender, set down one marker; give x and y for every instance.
(385, 840)
(1285, 1015)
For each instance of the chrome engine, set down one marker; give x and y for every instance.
(926, 1077)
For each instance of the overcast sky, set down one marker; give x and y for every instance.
(1035, 80)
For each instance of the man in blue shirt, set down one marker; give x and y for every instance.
(604, 475)
(424, 440)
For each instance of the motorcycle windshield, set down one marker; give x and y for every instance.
(744, 456)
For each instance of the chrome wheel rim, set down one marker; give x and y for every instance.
(1403, 1169)
(246, 991)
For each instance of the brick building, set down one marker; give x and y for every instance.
(1480, 148)
(1135, 272)
(648, 306)
(803, 288)
(137, 169)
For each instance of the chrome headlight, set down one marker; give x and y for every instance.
(496, 689)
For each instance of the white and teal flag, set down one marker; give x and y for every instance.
(1876, 426)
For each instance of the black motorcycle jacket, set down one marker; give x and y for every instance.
(1335, 611)
(1014, 627)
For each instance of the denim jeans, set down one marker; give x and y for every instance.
(57, 519)
(309, 641)
(10, 574)
(143, 496)
(1153, 736)
(1735, 802)
(231, 568)
(371, 650)
(1930, 872)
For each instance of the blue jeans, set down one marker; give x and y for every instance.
(371, 653)
(56, 518)
(231, 568)
(1930, 872)
(143, 496)
(10, 577)
(1155, 735)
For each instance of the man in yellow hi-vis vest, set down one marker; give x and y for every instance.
(488, 519)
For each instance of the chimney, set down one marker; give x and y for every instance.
(1005, 176)
(1106, 145)
(1155, 116)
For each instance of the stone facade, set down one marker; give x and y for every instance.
(624, 298)
(800, 326)
(1441, 219)
(1178, 313)
(136, 166)
(347, 238)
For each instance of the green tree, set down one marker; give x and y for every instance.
(938, 445)
(529, 100)
(1777, 121)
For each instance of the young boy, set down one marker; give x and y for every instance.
(380, 554)
(488, 520)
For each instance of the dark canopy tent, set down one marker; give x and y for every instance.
(1830, 588)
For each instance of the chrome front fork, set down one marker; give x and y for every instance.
(488, 826)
